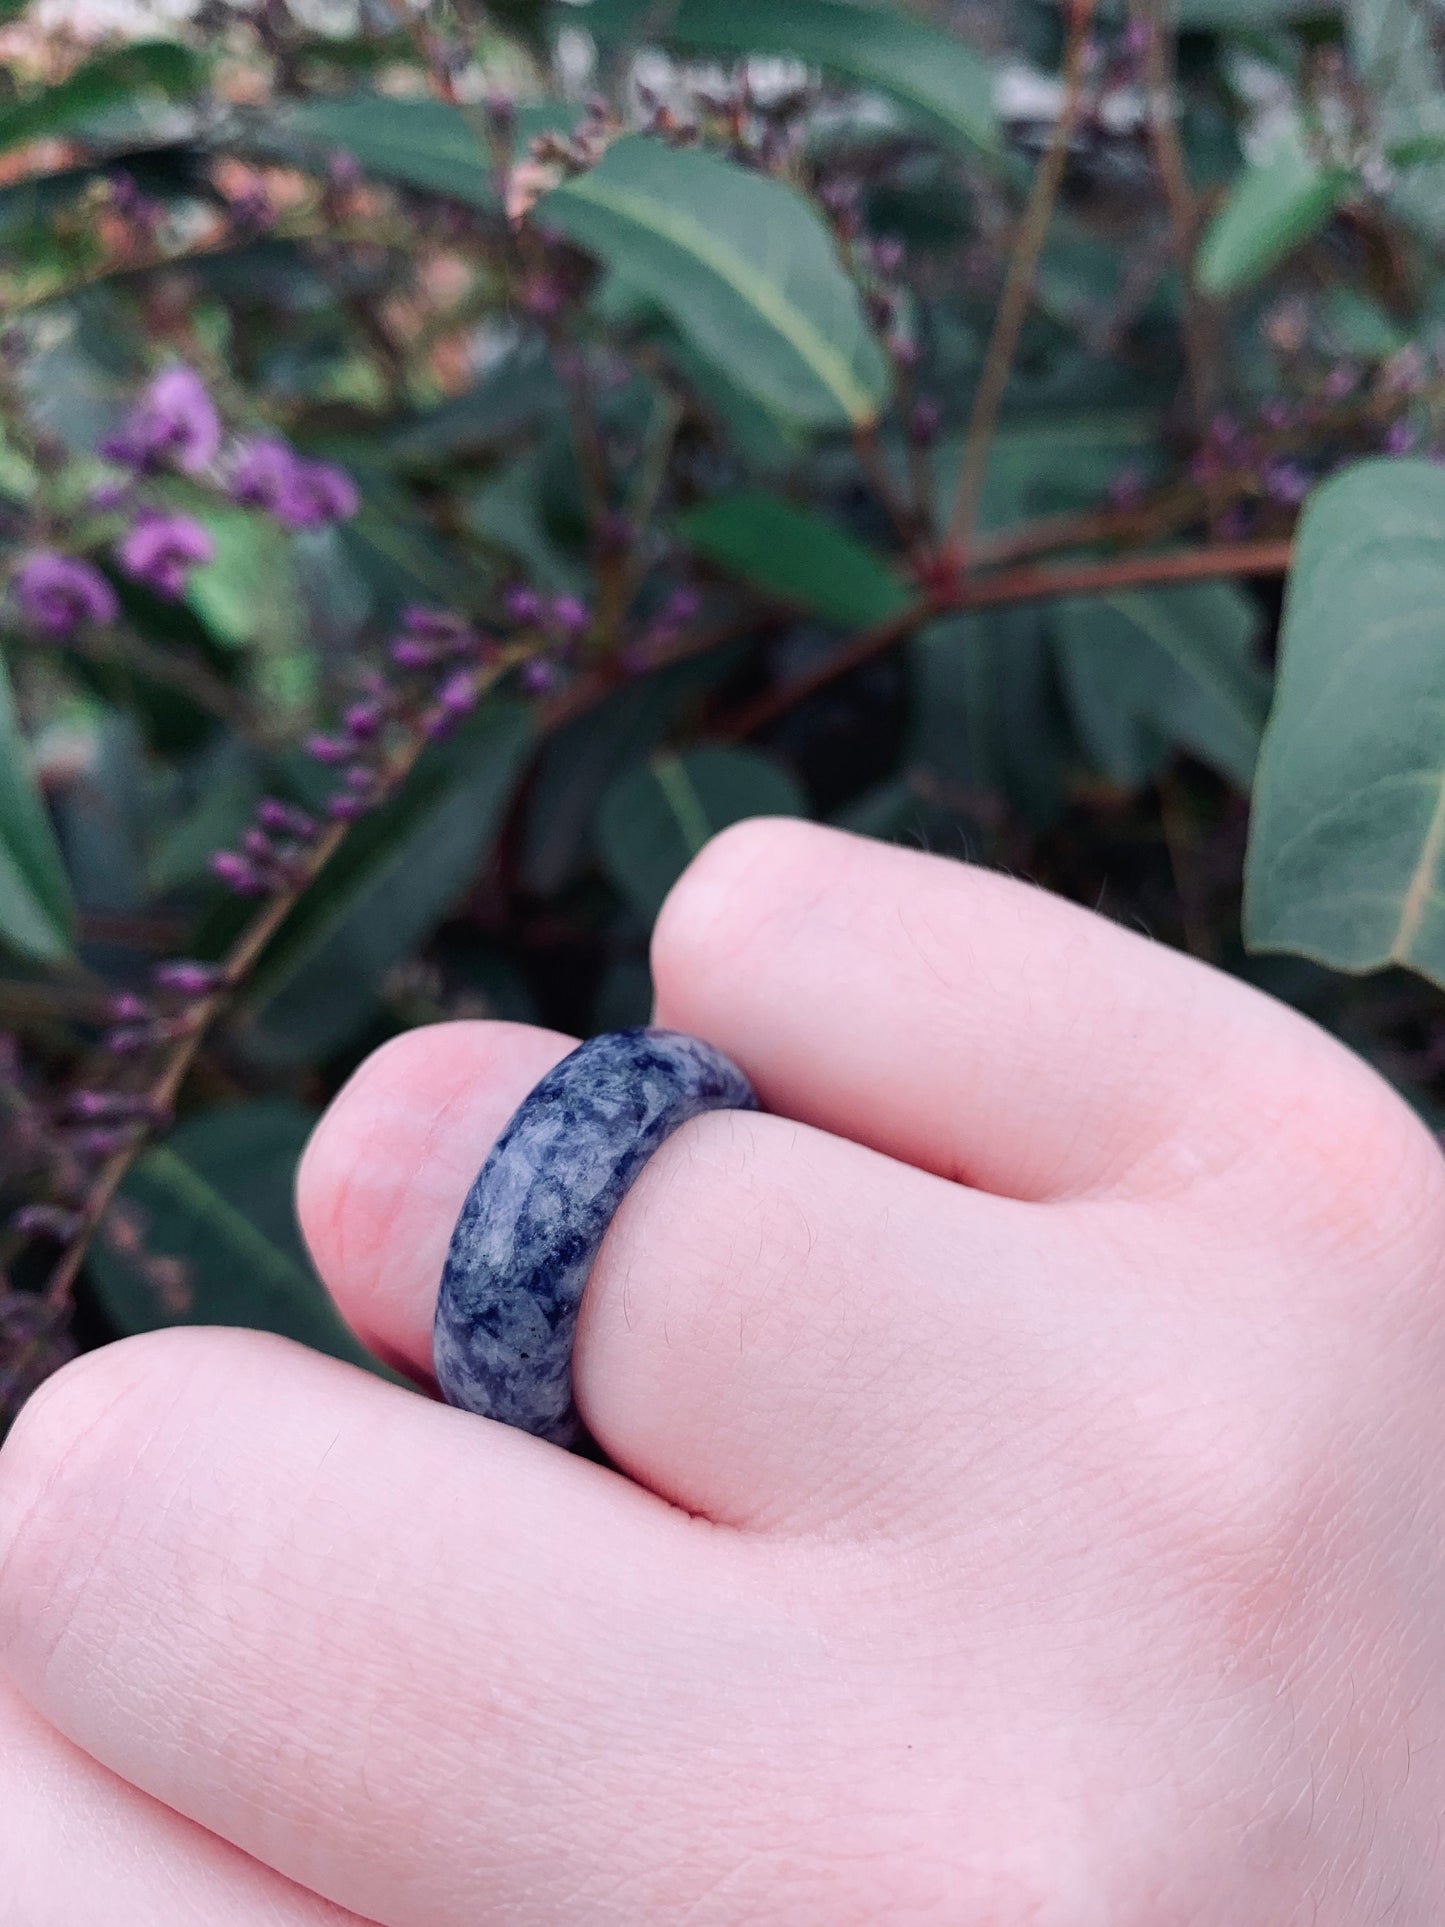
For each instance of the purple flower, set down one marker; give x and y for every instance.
(569, 615)
(57, 593)
(174, 423)
(187, 978)
(1287, 483)
(270, 475)
(458, 694)
(262, 474)
(435, 625)
(161, 550)
(238, 874)
(539, 677)
(329, 749)
(523, 604)
(284, 819)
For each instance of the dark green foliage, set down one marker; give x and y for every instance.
(644, 342)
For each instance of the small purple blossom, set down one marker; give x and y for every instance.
(174, 424)
(270, 475)
(346, 807)
(284, 819)
(127, 1008)
(126, 1040)
(328, 749)
(186, 978)
(320, 494)
(458, 694)
(46, 1221)
(161, 550)
(1287, 483)
(522, 605)
(568, 615)
(1126, 490)
(363, 720)
(539, 677)
(343, 170)
(56, 594)
(1400, 438)
(682, 605)
(238, 873)
(435, 625)
(925, 422)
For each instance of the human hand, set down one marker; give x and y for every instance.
(1032, 1471)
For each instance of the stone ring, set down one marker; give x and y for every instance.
(540, 1207)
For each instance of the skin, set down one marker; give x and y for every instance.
(1030, 1477)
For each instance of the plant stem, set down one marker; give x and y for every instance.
(1179, 198)
(1007, 587)
(1018, 288)
(242, 958)
(172, 670)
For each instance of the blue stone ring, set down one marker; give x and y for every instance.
(540, 1208)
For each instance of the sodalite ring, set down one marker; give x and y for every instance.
(533, 1221)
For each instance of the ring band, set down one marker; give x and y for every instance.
(540, 1207)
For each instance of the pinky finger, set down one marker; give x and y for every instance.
(78, 1845)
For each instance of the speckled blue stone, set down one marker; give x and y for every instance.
(533, 1221)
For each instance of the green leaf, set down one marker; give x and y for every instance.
(795, 555)
(421, 143)
(653, 820)
(1394, 46)
(1275, 206)
(935, 77)
(388, 887)
(36, 914)
(1347, 844)
(161, 67)
(1251, 16)
(213, 1206)
(1150, 669)
(986, 719)
(742, 264)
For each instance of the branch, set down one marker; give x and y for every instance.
(1179, 198)
(132, 652)
(1008, 587)
(245, 953)
(1018, 287)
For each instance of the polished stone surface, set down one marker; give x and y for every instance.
(540, 1207)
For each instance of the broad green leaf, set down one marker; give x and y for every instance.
(36, 913)
(654, 819)
(1396, 49)
(934, 76)
(421, 143)
(1347, 844)
(219, 807)
(1050, 461)
(1146, 670)
(160, 67)
(580, 760)
(392, 882)
(1251, 16)
(742, 264)
(249, 598)
(1275, 206)
(795, 555)
(206, 1234)
(986, 716)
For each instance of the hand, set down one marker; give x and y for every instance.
(1031, 1490)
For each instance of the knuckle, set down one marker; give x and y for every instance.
(1362, 1170)
(729, 888)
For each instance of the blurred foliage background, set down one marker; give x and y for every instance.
(454, 458)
